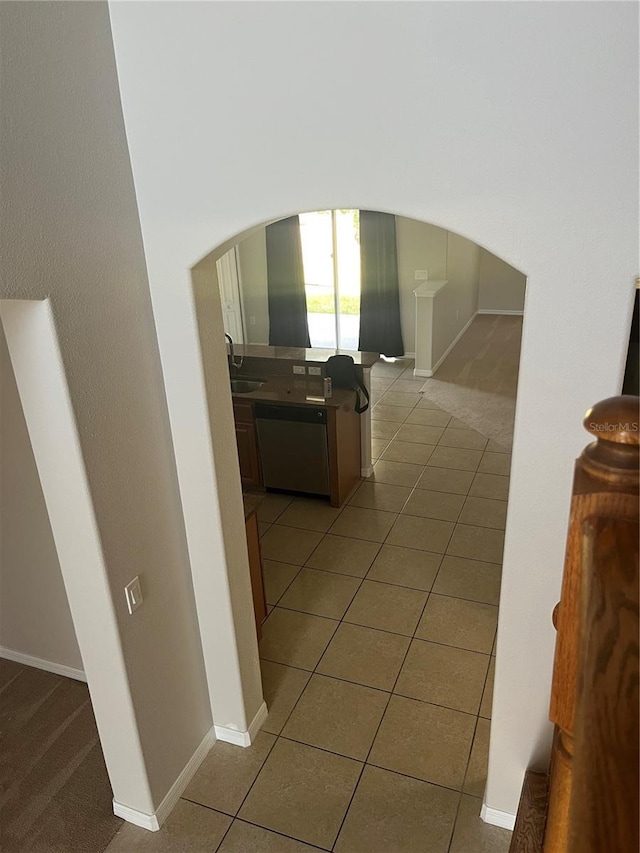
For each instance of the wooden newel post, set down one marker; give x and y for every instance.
(606, 485)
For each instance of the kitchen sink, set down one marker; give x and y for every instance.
(245, 386)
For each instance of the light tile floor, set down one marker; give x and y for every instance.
(377, 658)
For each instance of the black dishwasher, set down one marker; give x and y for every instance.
(293, 448)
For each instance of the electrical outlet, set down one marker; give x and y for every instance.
(252, 321)
(315, 371)
(133, 594)
(421, 275)
(458, 314)
(300, 369)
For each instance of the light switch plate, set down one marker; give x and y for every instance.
(133, 594)
(421, 275)
(299, 368)
(315, 371)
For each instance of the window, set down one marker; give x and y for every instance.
(331, 259)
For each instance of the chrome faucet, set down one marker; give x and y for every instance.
(233, 363)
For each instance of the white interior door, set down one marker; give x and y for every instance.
(227, 269)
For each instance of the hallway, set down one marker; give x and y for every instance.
(377, 657)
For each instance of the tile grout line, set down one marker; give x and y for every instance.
(464, 778)
(382, 716)
(302, 693)
(456, 522)
(376, 542)
(314, 672)
(475, 473)
(379, 689)
(384, 713)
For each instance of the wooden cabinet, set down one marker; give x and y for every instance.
(255, 569)
(343, 439)
(247, 441)
(343, 447)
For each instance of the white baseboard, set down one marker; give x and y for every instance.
(506, 312)
(366, 472)
(137, 818)
(154, 821)
(428, 373)
(40, 663)
(495, 817)
(238, 738)
(453, 342)
(409, 355)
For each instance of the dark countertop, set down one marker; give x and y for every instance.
(296, 392)
(366, 359)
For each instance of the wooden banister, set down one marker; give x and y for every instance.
(594, 694)
(603, 813)
(605, 485)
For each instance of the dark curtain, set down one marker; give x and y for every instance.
(379, 296)
(288, 325)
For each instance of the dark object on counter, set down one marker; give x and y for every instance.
(341, 370)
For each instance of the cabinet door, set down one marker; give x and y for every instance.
(248, 454)
(255, 568)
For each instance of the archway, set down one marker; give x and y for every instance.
(206, 288)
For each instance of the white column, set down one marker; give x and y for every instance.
(425, 295)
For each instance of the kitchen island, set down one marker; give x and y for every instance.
(294, 377)
(290, 436)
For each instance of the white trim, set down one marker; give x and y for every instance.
(137, 818)
(409, 355)
(366, 472)
(495, 817)
(501, 311)
(238, 738)
(430, 289)
(41, 663)
(429, 373)
(454, 342)
(154, 821)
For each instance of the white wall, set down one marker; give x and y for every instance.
(498, 146)
(35, 619)
(501, 287)
(420, 246)
(457, 302)
(71, 232)
(252, 259)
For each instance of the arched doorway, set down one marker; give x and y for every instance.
(408, 569)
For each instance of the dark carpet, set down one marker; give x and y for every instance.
(55, 795)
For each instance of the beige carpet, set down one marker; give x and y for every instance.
(478, 380)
